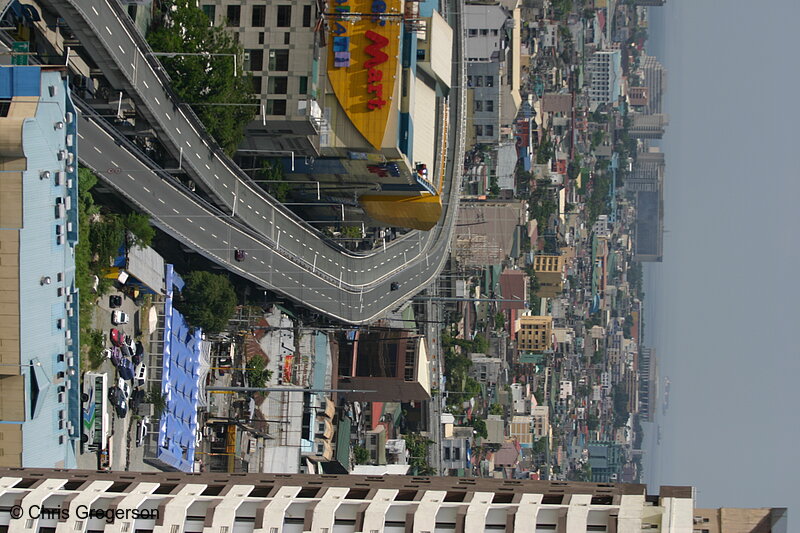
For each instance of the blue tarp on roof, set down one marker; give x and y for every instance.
(180, 385)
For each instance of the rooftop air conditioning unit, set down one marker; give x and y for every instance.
(44, 175)
(58, 125)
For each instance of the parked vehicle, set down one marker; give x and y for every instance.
(239, 255)
(137, 398)
(115, 356)
(117, 399)
(140, 375)
(142, 429)
(125, 387)
(126, 351)
(125, 369)
(115, 300)
(116, 337)
(119, 317)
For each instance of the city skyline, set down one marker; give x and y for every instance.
(731, 408)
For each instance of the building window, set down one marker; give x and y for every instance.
(279, 60)
(490, 81)
(287, 37)
(478, 130)
(257, 84)
(495, 32)
(306, 16)
(259, 17)
(478, 105)
(489, 130)
(473, 33)
(456, 454)
(420, 54)
(284, 16)
(446, 453)
(234, 15)
(261, 37)
(485, 32)
(277, 85)
(255, 60)
(276, 107)
(303, 89)
(478, 81)
(211, 12)
(489, 106)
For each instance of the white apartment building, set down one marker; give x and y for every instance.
(161, 502)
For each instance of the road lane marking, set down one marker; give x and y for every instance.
(156, 99)
(80, 136)
(146, 189)
(224, 184)
(131, 177)
(213, 236)
(189, 220)
(178, 130)
(116, 165)
(120, 48)
(175, 210)
(225, 242)
(96, 14)
(109, 31)
(145, 84)
(162, 201)
(201, 228)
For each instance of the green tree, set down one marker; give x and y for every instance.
(352, 232)
(593, 422)
(273, 171)
(496, 409)
(499, 321)
(360, 455)
(208, 79)
(140, 229)
(479, 425)
(417, 447)
(257, 373)
(208, 300)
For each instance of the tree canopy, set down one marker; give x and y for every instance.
(208, 300)
(207, 79)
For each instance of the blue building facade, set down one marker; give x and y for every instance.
(39, 338)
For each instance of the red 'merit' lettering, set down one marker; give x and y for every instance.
(377, 56)
(374, 75)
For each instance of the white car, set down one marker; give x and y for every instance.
(140, 375)
(142, 429)
(125, 387)
(118, 317)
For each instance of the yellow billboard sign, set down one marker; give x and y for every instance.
(362, 61)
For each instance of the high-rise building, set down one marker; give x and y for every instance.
(648, 379)
(648, 126)
(605, 77)
(391, 364)
(550, 274)
(654, 76)
(735, 520)
(160, 502)
(638, 96)
(40, 404)
(534, 333)
(648, 172)
(655, 3)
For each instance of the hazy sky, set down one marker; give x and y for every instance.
(723, 306)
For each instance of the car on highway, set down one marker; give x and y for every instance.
(116, 337)
(119, 317)
(142, 429)
(394, 286)
(114, 301)
(117, 399)
(239, 255)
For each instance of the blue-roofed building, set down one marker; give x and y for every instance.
(39, 344)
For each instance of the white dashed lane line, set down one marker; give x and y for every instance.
(97, 149)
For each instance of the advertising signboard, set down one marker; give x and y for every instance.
(362, 62)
